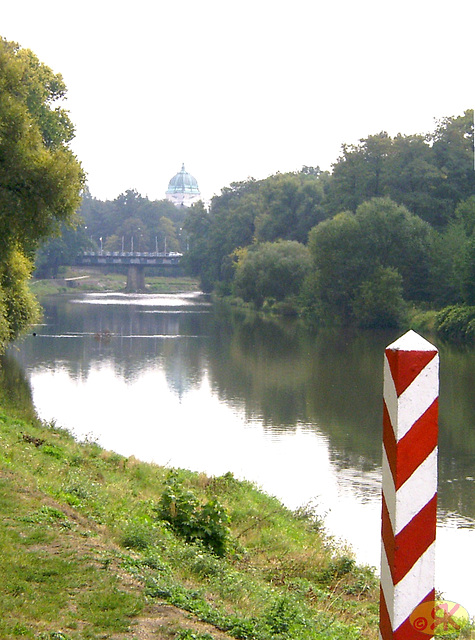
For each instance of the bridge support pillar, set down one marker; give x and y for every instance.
(135, 278)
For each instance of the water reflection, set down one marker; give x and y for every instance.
(175, 380)
(274, 373)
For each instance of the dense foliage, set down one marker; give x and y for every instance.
(130, 222)
(281, 207)
(392, 225)
(40, 178)
(271, 271)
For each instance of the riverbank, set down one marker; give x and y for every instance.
(97, 545)
(87, 279)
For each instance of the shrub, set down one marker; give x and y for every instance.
(456, 323)
(207, 523)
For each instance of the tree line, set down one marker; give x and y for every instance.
(390, 228)
(130, 222)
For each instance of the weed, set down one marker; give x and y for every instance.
(192, 635)
(47, 515)
(138, 535)
(207, 522)
(54, 452)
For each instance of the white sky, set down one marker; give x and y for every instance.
(249, 88)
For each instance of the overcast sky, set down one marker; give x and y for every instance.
(249, 88)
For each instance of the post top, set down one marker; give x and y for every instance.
(411, 341)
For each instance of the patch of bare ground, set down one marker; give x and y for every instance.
(162, 621)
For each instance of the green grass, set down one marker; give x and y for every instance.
(93, 543)
(101, 281)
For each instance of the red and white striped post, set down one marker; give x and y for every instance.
(409, 470)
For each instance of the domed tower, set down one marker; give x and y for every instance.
(183, 189)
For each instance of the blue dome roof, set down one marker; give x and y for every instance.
(183, 182)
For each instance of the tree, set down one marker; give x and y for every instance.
(378, 301)
(61, 249)
(339, 264)
(411, 178)
(353, 252)
(291, 204)
(271, 271)
(453, 145)
(359, 173)
(132, 215)
(429, 174)
(40, 178)
(281, 207)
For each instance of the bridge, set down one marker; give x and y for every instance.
(134, 260)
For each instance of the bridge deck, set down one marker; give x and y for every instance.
(105, 258)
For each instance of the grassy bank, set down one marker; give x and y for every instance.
(95, 545)
(96, 280)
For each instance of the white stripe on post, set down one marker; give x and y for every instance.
(409, 496)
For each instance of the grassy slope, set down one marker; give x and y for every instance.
(84, 554)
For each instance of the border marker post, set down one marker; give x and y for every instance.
(409, 479)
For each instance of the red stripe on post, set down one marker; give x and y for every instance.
(406, 366)
(407, 632)
(387, 534)
(414, 540)
(389, 442)
(385, 626)
(416, 445)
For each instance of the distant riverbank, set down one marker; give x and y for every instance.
(88, 279)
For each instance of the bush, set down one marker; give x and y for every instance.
(456, 323)
(271, 271)
(207, 523)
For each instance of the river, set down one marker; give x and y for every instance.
(175, 380)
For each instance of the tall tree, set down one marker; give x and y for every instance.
(40, 178)
(382, 243)
(359, 173)
(453, 146)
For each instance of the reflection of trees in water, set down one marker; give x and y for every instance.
(259, 361)
(333, 382)
(281, 375)
(457, 431)
(290, 377)
(15, 388)
(130, 339)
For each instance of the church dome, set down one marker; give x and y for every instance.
(183, 183)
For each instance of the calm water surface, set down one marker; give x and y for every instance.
(174, 380)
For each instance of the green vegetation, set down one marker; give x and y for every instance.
(271, 271)
(131, 222)
(369, 262)
(40, 178)
(385, 237)
(96, 545)
(391, 228)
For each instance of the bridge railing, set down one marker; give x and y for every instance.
(131, 254)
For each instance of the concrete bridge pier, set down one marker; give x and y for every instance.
(135, 278)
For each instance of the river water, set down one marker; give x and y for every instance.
(180, 382)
